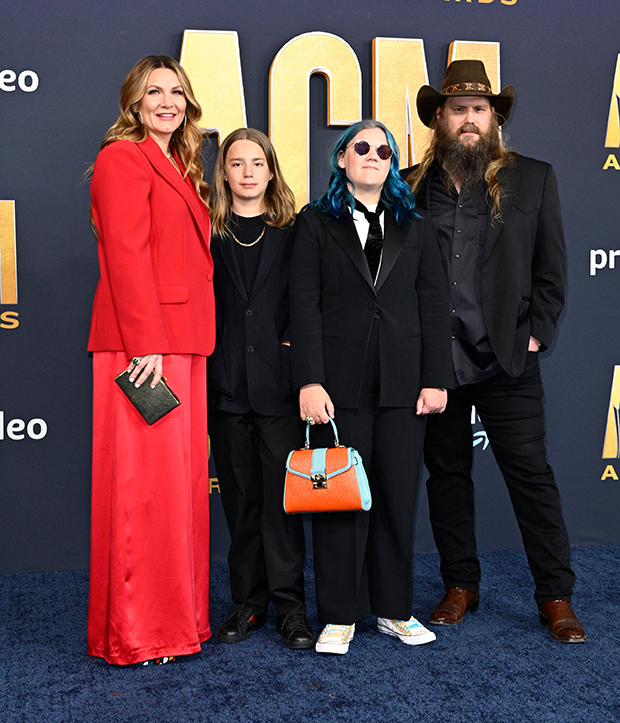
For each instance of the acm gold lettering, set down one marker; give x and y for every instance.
(399, 69)
(612, 138)
(218, 84)
(289, 83)
(611, 447)
(8, 254)
(609, 472)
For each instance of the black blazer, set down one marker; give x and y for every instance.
(250, 329)
(523, 279)
(334, 303)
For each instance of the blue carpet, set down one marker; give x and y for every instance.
(500, 666)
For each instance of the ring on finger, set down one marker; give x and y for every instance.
(310, 420)
(136, 360)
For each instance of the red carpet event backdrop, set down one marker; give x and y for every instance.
(299, 71)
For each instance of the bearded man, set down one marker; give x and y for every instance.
(496, 217)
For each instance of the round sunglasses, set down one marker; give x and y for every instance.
(363, 147)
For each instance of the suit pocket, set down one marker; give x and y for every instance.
(524, 307)
(172, 294)
(285, 370)
(217, 374)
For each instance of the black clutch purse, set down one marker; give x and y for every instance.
(152, 404)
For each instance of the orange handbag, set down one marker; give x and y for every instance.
(328, 479)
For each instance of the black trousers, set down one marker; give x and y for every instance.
(511, 411)
(267, 549)
(363, 560)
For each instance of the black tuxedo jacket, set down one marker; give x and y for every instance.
(334, 303)
(250, 329)
(523, 277)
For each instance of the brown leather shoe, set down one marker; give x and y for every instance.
(562, 622)
(456, 602)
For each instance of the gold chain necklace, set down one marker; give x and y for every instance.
(172, 160)
(262, 233)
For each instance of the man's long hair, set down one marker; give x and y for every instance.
(502, 157)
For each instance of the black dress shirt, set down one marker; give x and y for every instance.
(459, 220)
(247, 229)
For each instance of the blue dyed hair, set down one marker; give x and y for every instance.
(396, 194)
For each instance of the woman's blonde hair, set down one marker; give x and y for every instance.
(279, 200)
(186, 139)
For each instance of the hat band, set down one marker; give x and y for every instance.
(460, 87)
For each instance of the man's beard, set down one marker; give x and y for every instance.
(465, 162)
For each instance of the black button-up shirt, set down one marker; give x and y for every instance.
(460, 220)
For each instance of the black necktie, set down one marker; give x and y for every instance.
(374, 242)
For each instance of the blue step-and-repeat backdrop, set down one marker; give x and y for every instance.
(299, 71)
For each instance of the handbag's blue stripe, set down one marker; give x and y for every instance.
(319, 461)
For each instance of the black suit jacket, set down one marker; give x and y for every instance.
(523, 277)
(250, 328)
(334, 303)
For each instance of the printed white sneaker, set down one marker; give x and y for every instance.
(410, 632)
(335, 639)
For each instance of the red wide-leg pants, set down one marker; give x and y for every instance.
(149, 573)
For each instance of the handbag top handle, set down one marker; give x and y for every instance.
(336, 440)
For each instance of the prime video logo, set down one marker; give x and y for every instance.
(601, 259)
(27, 80)
(17, 429)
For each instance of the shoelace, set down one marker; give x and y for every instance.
(296, 621)
(331, 629)
(406, 625)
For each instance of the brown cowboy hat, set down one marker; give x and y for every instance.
(462, 78)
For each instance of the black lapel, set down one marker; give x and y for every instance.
(509, 179)
(393, 240)
(270, 244)
(344, 231)
(226, 250)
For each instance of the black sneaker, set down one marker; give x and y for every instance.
(295, 631)
(241, 622)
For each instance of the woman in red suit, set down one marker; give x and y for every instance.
(153, 312)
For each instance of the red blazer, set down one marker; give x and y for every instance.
(155, 294)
